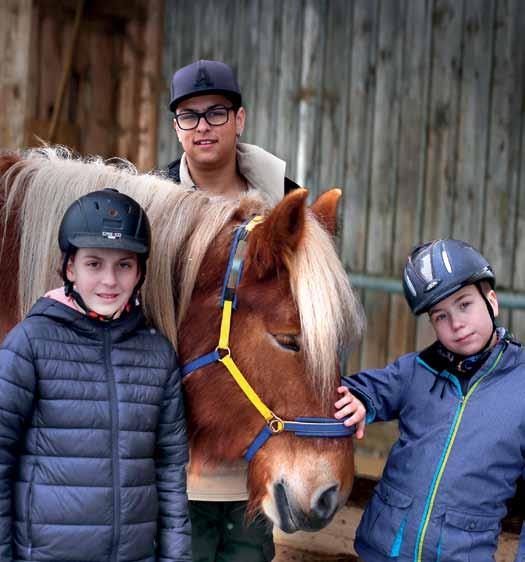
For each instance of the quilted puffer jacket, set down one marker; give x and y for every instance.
(92, 441)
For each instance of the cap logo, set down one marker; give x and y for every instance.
(203, 79)
(111, 235)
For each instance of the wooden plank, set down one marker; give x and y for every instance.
(15, 45)
(286, 118)
(128, 96)
(437, 210)
(314, 38)
(471, 162)
(172, 46)
(247, 76)
(411, 164)
(444, 91)
(34, 68)
(99, 135)
(518, 173)
(383, 185)
(504, 142)
(335, 81)
(51, 50)
(151, 85)
(262, 113)
(359, 140)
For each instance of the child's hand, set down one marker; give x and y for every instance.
(351, 406)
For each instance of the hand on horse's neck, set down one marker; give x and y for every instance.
(225, 181)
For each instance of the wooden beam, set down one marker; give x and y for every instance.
(99, 9)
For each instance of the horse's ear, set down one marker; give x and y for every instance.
(279, 235)
(325, 209)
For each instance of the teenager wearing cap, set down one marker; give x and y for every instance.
(209, 119)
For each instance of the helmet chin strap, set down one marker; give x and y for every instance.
(491, 314)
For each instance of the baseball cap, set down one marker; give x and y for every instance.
(204, 77)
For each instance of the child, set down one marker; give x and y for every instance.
(461, 419)
(92, 429)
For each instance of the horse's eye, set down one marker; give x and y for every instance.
(288, 341)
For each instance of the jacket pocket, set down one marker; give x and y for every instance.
(383, 523)
(469, 537)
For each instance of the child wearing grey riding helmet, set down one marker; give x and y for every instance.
(92, 429)
(459, 404)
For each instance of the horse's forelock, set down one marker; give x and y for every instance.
(331, 315)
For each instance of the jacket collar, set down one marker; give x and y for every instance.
(263, 171)
(86, 326)
(427, 359)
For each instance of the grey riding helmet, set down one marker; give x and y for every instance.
(204, 77)
(437, 269)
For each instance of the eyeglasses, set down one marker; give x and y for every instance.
(214, 116)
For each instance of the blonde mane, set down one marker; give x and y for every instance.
(184, 224)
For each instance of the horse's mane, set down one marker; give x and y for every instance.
(185, 223)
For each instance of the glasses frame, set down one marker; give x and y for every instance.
(202, 114)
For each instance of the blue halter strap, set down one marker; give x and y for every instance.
(302, 427)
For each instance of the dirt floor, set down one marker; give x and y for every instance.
(287, 554)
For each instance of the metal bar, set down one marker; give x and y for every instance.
(506, 299)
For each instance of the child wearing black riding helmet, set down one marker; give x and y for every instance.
(94, 448)
(461, 418)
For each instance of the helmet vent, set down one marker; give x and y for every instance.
(409, 285)
(97, 206)
(446, 261)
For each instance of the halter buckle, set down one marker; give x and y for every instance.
(223, 352)
(275, 425)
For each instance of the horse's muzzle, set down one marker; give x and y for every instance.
(323, 506)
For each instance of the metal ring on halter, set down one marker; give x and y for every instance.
(223, 352)
(276, 425)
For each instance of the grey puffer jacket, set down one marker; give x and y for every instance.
(92, 441)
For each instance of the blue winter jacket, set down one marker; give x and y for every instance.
(445, 485)
(92, 441)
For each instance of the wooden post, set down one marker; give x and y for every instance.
(15, 35)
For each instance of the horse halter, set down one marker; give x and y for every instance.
(302, 427)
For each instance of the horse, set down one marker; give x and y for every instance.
(293, 314)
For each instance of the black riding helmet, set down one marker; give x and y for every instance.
(104, 219)
(437, 269)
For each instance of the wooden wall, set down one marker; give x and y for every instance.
(414, 107)
(109, 68)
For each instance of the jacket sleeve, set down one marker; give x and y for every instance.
(174, 529)
(17, 389)
(381, 390)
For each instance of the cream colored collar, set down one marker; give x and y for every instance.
(263, 171)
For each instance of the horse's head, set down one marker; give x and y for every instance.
(295, 313)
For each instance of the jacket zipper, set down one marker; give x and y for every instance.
(29, 501)
(113, 411)
(429, 505)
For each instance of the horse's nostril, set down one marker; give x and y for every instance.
(325, 503)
